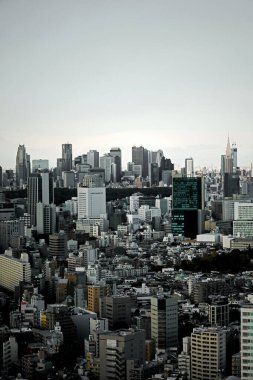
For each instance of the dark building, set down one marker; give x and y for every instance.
(154, 174)
(188, 203)
(185, 223)
(116, 154)
(67, 157)
(231, 184)
(140, 157)
(39, 189)
(188, 193)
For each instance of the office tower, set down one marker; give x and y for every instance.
(58, 245)
(116, 154)
(140, 157)
(67, 157)
(93, 158)
(21, 166)
(116, 349)
(189, 167)
(229, 159)
(155, 157)
(46, 218)
(40, 164)
(106, 163)
(13, 270)
(243, 219)
(9, 229)
(117, 309)
(68, 178)
(91, 200)
(218, 311)
(39, 189)
(164, 321)
(231, 184)
(188, 203)
(234, 156)
(208, 353)
(154, 174)
(246, 341)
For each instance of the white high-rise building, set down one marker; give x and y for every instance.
(189, 167)
(91, 202)
(246, 341)
(106, 163)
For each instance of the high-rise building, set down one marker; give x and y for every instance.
(22, 170)
(67, 157)
(208, 353)
(9, 229)
(140, 157)
(116, 349)
(117, 309)
(154, 174)
(246, 341)
(93, 158)
(46, 218)
(188, 203)
(106, 163)
(91, 201)
(164, 321)
(39, 189)
(189, 167)
(13, 270)
(116, 154)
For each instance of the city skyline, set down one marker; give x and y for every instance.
(162, 74)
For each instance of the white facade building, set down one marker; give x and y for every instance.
(91, 202)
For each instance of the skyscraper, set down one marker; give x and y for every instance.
(93, 158)
(189, 167)
(106, 163)
(164, 321)
(21, 166)
(188, 203)
(116, 154)
(67, 156)
(140, 157)
(39, 189)
(91, 201)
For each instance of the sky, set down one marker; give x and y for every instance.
(175, 75)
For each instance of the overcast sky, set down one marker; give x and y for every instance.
(175, 75)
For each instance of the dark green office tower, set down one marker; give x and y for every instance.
(188, 203)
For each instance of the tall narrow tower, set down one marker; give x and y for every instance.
(116, 154)
(67, 156)
(164, 321)
(39, 189)
(21, 166)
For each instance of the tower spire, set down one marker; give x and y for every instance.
(228, 149)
